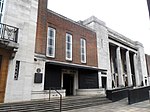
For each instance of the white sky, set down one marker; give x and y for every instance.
(128, 17)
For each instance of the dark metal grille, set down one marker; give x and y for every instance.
(8, 32)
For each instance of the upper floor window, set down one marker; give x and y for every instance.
(69, 47)
(83, 50)
(51, 42)
(1, 8)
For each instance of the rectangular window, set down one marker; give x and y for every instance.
(69, 47)
(51, 42)
(17, 70)
(83, 50)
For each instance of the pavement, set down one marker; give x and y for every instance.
(119, 106)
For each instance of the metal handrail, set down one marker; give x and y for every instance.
(52, 88)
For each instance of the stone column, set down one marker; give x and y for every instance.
(136, 70)
(99, 80)
(130, 83)
(119, 68)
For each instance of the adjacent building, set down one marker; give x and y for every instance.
(17, 45)
(123, 58)
(41, 50)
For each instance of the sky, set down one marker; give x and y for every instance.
(128, 17)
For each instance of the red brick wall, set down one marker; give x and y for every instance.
(48, 18)
(41, 31)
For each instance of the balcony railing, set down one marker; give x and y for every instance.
(8, 33)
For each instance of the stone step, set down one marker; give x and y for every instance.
(41, 106)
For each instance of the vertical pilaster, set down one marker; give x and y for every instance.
(99, 80)
(130, 83)
(119, 67)
(76, 86)
(136, 70)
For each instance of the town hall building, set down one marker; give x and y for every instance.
(41, 49)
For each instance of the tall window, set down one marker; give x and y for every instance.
(16, 75)
(83, 50)
(1, 8)
(51, 42)
(69, 47)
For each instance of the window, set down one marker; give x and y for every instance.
(83, 50)
(51, 42)
(1, 8)
(69, 47)
(17, 70)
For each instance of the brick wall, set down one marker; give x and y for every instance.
(62, 25)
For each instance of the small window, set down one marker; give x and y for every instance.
(51, 42)
(17, 70)
(83, 50)
(69, 47)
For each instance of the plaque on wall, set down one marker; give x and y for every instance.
(38, 78)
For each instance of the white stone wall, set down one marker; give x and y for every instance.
(102, 33)
(21, 14)
(102, 45)
(41, 65)
(142, 68)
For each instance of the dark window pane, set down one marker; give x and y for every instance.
(68, 46)
(82, 56)
(68, 54)
(68, 38)
(51, 34)
(82, 50)
(50, 51)
(50, 42)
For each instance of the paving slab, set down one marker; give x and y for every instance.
(119, 106)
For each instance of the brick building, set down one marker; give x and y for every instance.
(66, 54)
(40, 49)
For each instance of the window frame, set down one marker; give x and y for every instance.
(84, 47)
(51, 46)
(17, 70)
(70, 35)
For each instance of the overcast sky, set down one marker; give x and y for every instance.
(128, 17)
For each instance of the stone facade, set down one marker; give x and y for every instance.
(106, 39)
(21, 14)
(113, 61)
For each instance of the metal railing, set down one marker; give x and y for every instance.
(56, 90)
(9, 33)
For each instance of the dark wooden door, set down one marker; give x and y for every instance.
(68, 84)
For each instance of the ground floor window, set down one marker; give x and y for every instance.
(88, 79)
(52, 76)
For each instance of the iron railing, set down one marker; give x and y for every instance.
(56, 90)
(9, 33)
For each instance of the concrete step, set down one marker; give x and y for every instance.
(68, 103)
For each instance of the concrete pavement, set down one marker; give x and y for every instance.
(119, 106)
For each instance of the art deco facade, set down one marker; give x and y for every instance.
(40, 49)
(123, 58)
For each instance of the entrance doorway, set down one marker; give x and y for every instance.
(68, 81)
